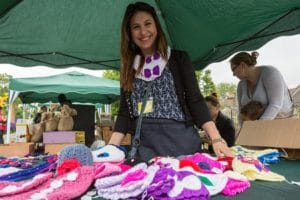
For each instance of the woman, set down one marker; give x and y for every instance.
(264, 84)
(223, 123)
(174, 101)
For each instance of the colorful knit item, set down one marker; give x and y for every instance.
(10, 188)
(214, 183)
(129, 184)
(189, 163)
(253, 169)
(108, 153)
(169, 183)
(107, 169)
(67, 166)
(236, 183)
(207, 163)
(165, 162)
(264, 156)
(79, 152)
(68, 186)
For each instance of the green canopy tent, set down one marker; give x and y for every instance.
(77, 87)
(63, 33)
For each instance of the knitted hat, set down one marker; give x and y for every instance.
(79, 152)
(108, 153)
(129, 184)
(68, 186)
(253, 169)
(10, 187)
(169, 183)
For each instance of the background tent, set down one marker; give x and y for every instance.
(77, 87)
(63, 33)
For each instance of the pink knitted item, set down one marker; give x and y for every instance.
(116, 179)
(207, 163)
(106, 169)
(10, 188)
(133, 177)
(68, 186)
(234, 187)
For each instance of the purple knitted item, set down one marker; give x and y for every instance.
(176, 185)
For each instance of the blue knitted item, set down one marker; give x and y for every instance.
(79, 152)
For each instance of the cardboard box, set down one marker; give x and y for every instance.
(16, 149)
(80, 137)
(59, 137)
(55, 148)
(283, 134)
(21, 132)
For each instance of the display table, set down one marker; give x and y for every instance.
(264, 190)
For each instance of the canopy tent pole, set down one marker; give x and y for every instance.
(12, 96)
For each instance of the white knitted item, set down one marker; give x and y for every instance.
(108, 153)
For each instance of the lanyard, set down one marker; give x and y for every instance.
(136, 141)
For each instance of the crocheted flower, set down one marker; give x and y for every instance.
(67, 166)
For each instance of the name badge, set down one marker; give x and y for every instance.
(148, 106)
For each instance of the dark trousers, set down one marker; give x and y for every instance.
(1, 137)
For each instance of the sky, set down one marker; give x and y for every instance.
(282, 53)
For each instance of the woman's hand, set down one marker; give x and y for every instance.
(218, 143)
(220, 148)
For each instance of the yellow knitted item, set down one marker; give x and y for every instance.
(253, 169)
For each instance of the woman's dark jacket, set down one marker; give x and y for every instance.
(226, 128)
(187, 90)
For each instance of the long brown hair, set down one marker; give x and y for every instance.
(129, 50)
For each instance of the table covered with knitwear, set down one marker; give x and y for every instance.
(78, 172)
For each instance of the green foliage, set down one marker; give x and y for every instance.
(226, 89)
(113, 75)
(205, 81)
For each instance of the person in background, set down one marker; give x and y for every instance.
(261, 83)
(2, 126)
(251, 111)
(175, 101)
(37, 118)
(223, 123)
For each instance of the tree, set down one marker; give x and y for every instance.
(113, 75)
(226, 89)
(205, 81)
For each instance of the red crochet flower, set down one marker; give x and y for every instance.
(67, 166)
